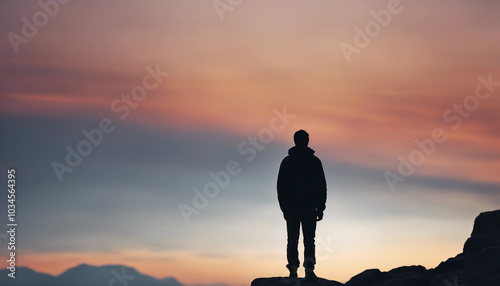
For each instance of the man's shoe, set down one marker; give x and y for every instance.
(310, 276)
(293, 270)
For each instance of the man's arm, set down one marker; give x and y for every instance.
(282, 185)
(320, 187)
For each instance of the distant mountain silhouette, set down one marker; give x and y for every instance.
(85, 275)
(170, 281)
(26, 277)
(478, 265)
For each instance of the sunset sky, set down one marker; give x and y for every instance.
(214, 85)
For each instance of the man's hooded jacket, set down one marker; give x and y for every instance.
(301, 183)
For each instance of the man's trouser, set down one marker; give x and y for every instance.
(308, 231)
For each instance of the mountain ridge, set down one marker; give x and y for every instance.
(86, 275)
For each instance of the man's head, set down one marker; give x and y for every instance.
(301, 138)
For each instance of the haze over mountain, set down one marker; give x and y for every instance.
(86, 275)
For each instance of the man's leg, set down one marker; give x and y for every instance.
(309, 232)
(292, 253)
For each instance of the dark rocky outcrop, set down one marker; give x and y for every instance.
(406, 275)
(478, 265)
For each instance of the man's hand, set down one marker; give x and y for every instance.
(319, 215)
(286, 216)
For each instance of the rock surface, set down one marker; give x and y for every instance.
(285, 281)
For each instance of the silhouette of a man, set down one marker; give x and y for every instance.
(302, 199)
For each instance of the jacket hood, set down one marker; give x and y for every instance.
(300, 151)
